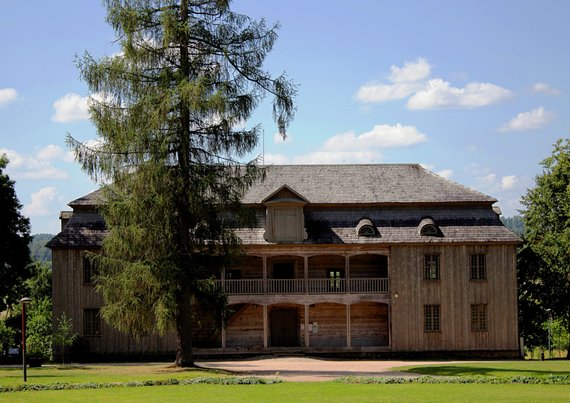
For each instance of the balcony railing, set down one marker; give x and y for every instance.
(300, 286)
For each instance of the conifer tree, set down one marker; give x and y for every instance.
(14, 240)
(170, 111)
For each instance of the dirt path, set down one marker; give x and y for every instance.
(305, 369)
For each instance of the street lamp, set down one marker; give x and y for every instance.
(549, 332)
(24, 301)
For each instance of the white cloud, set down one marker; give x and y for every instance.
(411, 72)
(7, 95)
(381, 136)
(386, 92)
(278, 138)
(440, 94)
(347, 148)
(50, 152)
(71, 107)
(445, 173)
(508, 182)
(535, 119)
(41, 202)
(405, 81)
(34, 167)
(544, 88)
(412, 81)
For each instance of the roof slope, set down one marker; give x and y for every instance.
(355, 184)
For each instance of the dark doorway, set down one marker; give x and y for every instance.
(284, 271)
(284, 323)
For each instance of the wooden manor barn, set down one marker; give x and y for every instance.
(344, 259)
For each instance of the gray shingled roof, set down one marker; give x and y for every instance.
(355, 184)
(368, 185)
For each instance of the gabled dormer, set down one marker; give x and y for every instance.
(285, 220)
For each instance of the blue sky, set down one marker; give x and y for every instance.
(476, 91)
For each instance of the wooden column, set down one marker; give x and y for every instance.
(306, 273)
(347, 271)
(264, 275)
(348, 330)
(307, 334)
(223, 337)
(265, 323)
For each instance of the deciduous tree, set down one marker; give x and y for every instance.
(170, 111)
(547, 229)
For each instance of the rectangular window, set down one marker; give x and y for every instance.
(478, 267)
(91, 322)
(431, 318)
(431, 267)
(89, 271)
(479, 318)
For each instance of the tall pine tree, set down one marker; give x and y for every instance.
(169, 113)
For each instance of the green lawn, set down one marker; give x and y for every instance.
(100, 373)
(288, 391)
(495, 368)
(304, 392)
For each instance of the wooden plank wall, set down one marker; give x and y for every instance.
(70, 292)
(245, 327)
(368, 266)
(455, 293)
(331, 321)
(369, 324)
(320, 265)
(251, 267)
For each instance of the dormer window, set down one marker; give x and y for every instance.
(285, 219)
(366, 228)
(427, 227)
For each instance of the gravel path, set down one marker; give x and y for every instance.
(305, 369)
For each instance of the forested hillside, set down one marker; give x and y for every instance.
(514, 223)
(38, 250)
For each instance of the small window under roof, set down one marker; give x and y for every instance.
(427, 227)
(366, 228)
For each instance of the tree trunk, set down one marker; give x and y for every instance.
(184, 355)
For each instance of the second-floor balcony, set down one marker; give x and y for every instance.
(301, 286)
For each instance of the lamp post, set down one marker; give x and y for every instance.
(549, 332)
(24, 301)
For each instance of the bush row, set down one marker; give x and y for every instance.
(235, 380)
(547, 380)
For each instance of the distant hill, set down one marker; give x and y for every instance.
(514, 223)
(38, 250)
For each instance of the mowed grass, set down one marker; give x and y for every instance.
(495, 368)
(305, 392)
(288, 391)
(101, 373)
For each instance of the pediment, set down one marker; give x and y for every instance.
(285, 195)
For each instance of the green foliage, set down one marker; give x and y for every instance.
(534, 292)
(169, 112)
(234, 380)
(39, 284)
(39, 329)
(495, 380)
(14, 240)
(38, 249)
(63, 335)
(547, 225)
(6, 336)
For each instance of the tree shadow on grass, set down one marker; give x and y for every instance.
(458, 370)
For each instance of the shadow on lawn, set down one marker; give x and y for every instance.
(457, 370)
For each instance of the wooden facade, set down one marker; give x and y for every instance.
(343, 259)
